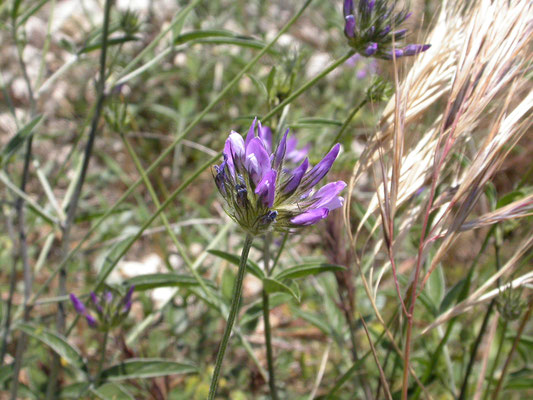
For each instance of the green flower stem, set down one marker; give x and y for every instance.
(101, 361)
(235, 302)
(308, 84)
(354, 111)
(266, 320)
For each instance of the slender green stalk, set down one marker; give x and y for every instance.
(347, 121)
(235, 302)
(266, 320)
(473, 352)
(308, 84)
(101, 362)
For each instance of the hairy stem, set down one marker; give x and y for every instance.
(235, 302)
(266, 320)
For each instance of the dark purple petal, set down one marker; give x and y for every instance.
(412, 49)
(220, 177)
(397, 52)
(310, 217)
(321, 169)
(407, 16)
(77, 303)
(297, 175)
(371, 49)
(280, 151)
(349, 26)
(90, 320)
(266, 189)
(257, 160)
(385, 31)
(327, 196)
(399, 33)
(370, 5)
(127, 298)
(348, 8)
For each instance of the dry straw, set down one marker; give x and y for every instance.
(458, 112)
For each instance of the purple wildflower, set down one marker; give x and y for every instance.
(368, 29)
(262, 192)
(105, 311)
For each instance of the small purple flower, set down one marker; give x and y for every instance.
(105, 311)
(263, 193)
(368, 28)
(77, 303)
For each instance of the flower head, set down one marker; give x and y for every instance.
(371, 29)
(263, 191)
(105, 311)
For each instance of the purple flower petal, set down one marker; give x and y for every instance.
(127, 298)
(251, 133)
(265, 133)
(297, 175)
(321, 169)
(266, 189)
(234, 150)
(327, 196)
(280, 151)
(90, 320)
(371, 49)
(412, 49)
(257, 160)
(108, 296)
(399, 33)
(310, 217)
(347, 7)
(349, 26)
(77, 303)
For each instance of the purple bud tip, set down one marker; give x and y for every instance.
(407, 16)
(412, 49)
(90, 320)
(349, 27)
(78, 305)
(108, 296)
(371, 4)
(371, 49)
(348, 8)
(127, 298)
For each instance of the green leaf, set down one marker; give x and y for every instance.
(251, 266)
(300, 271)
(451, 296)
(112, 391)
(152, 281)
(201, 34)
(18, 140)
(275, 286)
(146, 368)
(57, 343)
(110, 42)
(313, 319)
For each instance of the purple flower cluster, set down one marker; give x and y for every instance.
(369, 29)
(263, 191)
(109, 308)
